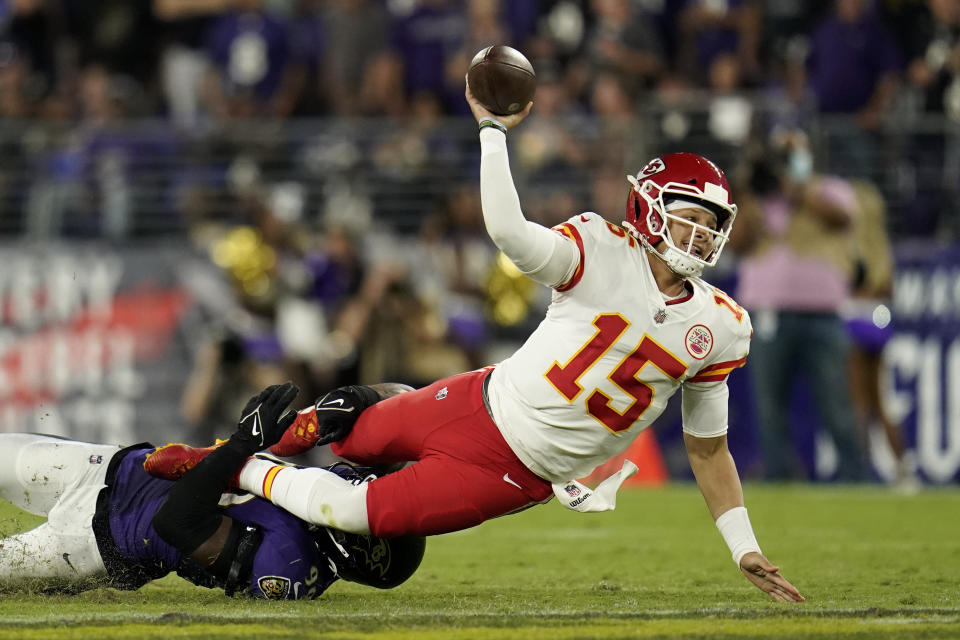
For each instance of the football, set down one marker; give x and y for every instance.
(502, 79)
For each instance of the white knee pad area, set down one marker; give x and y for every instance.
(35, 470)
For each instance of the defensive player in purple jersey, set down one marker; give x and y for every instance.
(111, 524)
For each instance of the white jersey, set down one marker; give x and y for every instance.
(609, 354)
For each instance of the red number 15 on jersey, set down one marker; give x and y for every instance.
(610, 326)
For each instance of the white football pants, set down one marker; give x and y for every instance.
(59, 479)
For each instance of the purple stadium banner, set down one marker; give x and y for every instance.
(922, 361)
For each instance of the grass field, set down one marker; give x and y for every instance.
(872, 565)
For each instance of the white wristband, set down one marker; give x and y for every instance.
(734, 526)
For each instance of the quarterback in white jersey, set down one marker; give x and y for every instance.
(630, 323)
(609, 354)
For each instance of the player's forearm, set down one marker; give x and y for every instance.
(719, 483)
(541, 253)
(716, 473)
(720, 486)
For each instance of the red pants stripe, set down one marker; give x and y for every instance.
(465, 472)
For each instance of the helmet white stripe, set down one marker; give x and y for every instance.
(715, 192)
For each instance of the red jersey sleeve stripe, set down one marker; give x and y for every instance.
(717, 372)
(571, 232)
(729, 364)
(709, 377)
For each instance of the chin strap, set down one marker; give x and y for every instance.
(679, 263)
(685, 268)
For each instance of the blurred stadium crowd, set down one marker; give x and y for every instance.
(875, 81)
(319, 154)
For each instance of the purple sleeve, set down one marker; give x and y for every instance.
(397, 35)
(218, 40)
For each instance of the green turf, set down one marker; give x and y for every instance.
(872, 564)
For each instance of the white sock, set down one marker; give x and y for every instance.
(312, 494)
(254, 472)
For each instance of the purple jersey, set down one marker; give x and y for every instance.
(251, 49)
(286, 566)
(848, 60)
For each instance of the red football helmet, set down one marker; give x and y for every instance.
(680, 180)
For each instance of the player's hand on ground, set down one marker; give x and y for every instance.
(767, 578)
(480, 112)
(265, 417)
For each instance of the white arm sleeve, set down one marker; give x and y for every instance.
(704, 407)
(542, 254)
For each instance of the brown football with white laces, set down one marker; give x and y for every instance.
(502, 79)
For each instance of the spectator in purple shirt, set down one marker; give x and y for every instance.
(853, 71)
(252, 65)
(715, 28)
(423, 42)
(853, 63)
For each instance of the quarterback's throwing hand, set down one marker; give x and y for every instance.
(480, 111)
(767, 578)
(263, 421)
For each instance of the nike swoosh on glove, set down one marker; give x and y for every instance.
(330, 419)
(338, 411)
(265, 418)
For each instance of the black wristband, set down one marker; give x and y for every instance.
(494, 123)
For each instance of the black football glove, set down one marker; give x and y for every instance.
(263, 420)
(339, 409)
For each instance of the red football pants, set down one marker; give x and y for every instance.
(465, 472)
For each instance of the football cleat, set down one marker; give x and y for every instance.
(299, 437)
(173, 460)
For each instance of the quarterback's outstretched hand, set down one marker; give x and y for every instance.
(263, 421)
(767, 578)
